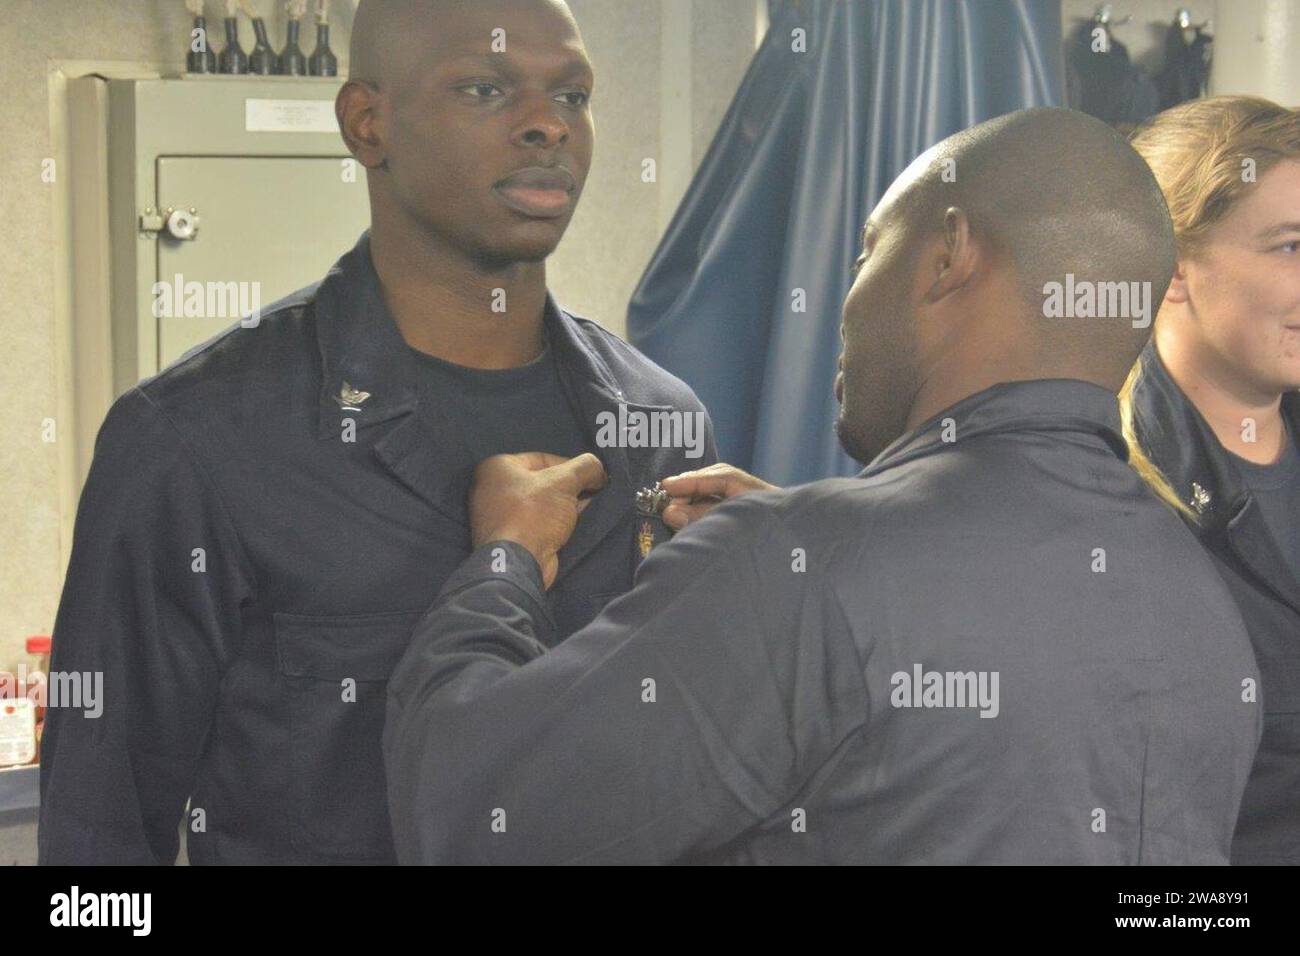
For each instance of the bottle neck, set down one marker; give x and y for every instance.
(203, 60)
(323, 61)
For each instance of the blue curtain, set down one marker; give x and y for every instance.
(810, 144)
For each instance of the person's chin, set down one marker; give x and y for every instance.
(1282, 376)
(535, 240)
(517, 248)
(856, 446)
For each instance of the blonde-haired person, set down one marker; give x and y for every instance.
(1211, 409)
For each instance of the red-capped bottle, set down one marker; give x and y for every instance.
(38, 681)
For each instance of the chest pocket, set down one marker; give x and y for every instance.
(335, 672)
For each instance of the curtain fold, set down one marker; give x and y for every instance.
(742, 297)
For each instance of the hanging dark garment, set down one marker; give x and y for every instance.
(743, 296)
(1187, 67)
(1107, 85)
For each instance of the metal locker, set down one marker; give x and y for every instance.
(267, 225)
(217, 179)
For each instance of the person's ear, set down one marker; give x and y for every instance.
(1177, 291)
(357, 110)
(957, 258)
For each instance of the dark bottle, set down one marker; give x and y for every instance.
(323, 62)
(262, 60)
(292, 62)
(232, 59)
(201, 61)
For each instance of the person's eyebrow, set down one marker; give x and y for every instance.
(572, 66)
(1281, 229)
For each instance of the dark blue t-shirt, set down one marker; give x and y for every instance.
(1277, 489)
(503, 411)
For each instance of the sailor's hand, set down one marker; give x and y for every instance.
(696, 493)
(534, 500)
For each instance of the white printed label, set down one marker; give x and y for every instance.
(17, 732)
(290, 116)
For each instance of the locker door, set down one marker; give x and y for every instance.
(280, 222)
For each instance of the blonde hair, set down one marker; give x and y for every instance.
(1200, 152)
(1137, 456)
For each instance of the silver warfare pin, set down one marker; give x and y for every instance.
(350, 398)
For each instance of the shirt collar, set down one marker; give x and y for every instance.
(1181, 443)
(1056, 404)
(367, 367)
(361, 346)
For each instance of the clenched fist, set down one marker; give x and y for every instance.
(534, 500)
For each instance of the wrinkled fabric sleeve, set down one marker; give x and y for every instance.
(691, 710)
(150, 615)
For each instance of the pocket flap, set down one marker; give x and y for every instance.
(365, 647)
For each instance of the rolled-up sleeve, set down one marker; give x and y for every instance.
(692, 709)
(150, 615)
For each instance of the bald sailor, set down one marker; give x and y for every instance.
(994, 645)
